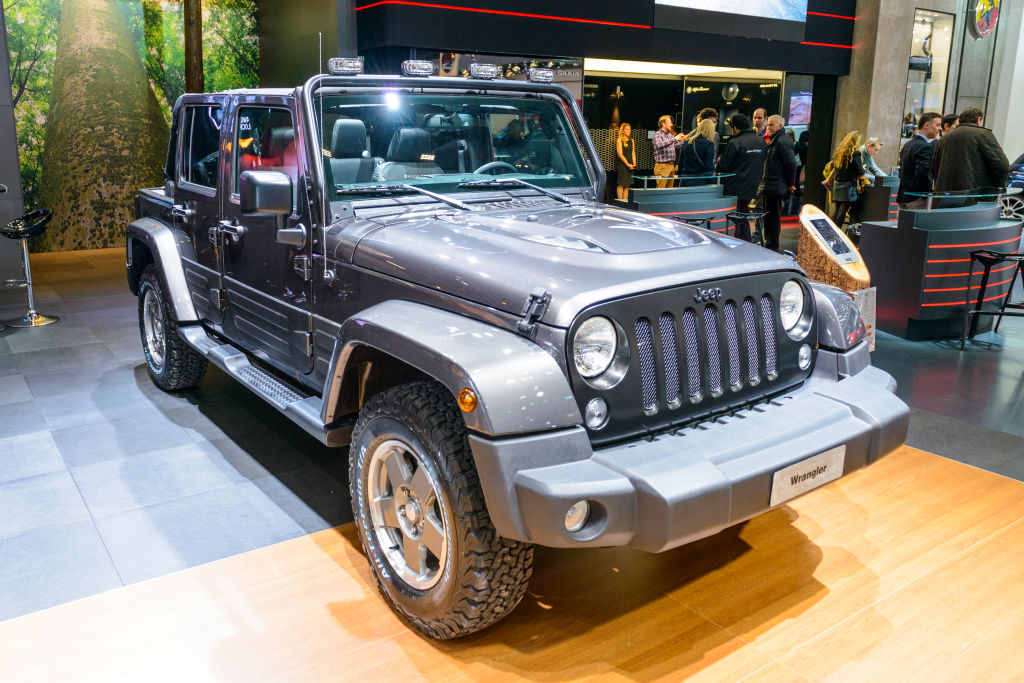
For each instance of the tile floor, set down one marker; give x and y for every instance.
(106, 480)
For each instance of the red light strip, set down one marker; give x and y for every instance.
(975, 244)
(834, 16)
(977, 272)
(478, 10)
(948, 260)
(964, 289)
(961, 303)
(845, 47)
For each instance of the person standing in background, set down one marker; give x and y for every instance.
(697, 157)
(969, 157)
(666, 147)
(868, 150)
(761, 122)
(949, 122)
(848, 167)
(743, 157)
(779, 178)
(626, 160)
(916, 162)
(707, 113)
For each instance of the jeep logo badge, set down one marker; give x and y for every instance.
(712, 294)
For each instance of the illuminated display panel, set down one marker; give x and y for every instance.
(774, 19)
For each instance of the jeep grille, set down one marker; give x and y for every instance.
(690, 361)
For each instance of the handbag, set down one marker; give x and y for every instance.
(830, 177)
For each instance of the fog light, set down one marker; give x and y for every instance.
(577, 516)
(596, 414)
(804, 359)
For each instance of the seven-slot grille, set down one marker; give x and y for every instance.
(704, 351)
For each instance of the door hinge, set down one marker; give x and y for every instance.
(305, 340)
(218, 299)
(303, 266)
(533, 310)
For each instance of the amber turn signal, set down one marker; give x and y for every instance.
(467, 400)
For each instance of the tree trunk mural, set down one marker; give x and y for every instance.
(105, 136)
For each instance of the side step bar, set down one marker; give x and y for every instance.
(302, 410)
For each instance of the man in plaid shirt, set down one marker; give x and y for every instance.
(666, 149)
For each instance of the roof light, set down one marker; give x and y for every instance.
(487, 71)
(541, 75)
(417, 67)
(345, 66)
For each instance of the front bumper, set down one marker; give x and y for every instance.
(677, 488)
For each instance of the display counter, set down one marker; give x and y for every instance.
(920, 266)
(698, 203)
(878, 202)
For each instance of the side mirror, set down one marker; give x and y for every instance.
(263, 192)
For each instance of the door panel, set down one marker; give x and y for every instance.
(196, 206)
(268, 308)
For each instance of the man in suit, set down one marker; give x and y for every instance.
(969, 158)
(916, 159)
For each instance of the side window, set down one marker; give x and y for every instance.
(201, 143)
(265, 141)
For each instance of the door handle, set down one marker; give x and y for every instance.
(182, 211)
(232, 228)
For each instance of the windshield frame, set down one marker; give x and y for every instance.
(363, 85)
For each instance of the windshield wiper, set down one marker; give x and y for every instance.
(389, 190)
(503, 182)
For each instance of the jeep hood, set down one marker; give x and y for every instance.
(579, 254)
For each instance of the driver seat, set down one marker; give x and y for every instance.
(408, 156)
(350, 162)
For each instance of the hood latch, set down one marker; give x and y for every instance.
(533, 311)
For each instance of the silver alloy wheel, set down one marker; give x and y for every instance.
(153, 324)
(406, 513)
(1012, 207)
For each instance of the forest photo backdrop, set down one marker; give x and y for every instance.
(93, 83)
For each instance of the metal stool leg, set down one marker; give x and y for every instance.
(31, 318)
(1006, 299)
(967, 304)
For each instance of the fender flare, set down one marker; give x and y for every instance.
(519, 386)
(163, 244)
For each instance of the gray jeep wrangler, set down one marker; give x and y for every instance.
(420, 268)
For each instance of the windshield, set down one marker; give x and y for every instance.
(437, 141)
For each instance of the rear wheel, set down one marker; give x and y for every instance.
(173, 364)
(421, 516)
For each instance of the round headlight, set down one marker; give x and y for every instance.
(791, 304)
(593, 346)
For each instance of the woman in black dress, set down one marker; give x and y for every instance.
(626, 162)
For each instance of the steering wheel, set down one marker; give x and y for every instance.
(492, 165)
(29, 225)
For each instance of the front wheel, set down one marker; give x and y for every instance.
(421, 515)
(173, 364)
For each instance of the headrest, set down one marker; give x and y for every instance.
(278, 141)
(348, 141)
(409, 144)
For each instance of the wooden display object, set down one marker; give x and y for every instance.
(818, 261)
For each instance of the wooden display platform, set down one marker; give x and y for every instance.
(909, 569)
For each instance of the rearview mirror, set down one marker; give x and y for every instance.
(263, 192)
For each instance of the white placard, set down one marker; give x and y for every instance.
(808, 474)
(866, 302)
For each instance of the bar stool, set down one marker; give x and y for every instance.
(30, 225)
(988, 258)
(740, 218)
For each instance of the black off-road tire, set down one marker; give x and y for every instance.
(484, 576)
(181, 366)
